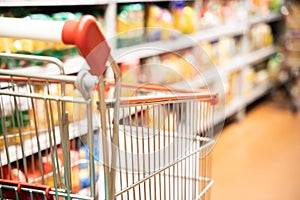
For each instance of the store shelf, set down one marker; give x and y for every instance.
(12, 3)
(271, 17)
(234, 64)
(235, 106)
(215, 33)
(152, 48)
(240, 103)
(186, 41)
(258, 92)
(238, 62)
(230, 109)
(201, 81)
(258, 55)
(31, 147)
(74, 64)
(181, 42)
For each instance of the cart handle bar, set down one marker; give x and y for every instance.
(85, 34)
(155, 87)
(172, 94)
(211, 98)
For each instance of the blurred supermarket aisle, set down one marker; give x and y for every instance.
(259, 157)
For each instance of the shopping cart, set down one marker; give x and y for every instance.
(58, 143)
(36, 129)
(162, 146)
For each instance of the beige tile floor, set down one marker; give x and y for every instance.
(259, 157)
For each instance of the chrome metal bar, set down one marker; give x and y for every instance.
(115, 138)
(137, 153)
(18, 124)
(143, 151)
(43, 97)
(107, 181)
(205, 190)
(5, 136)
(51, 146)
(53, 60)
(51, 125)
(149, 159)
(91, 149)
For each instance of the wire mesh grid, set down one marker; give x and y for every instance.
(160, 150)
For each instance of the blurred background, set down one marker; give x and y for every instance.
(246, 50)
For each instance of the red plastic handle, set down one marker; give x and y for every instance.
(90, 41)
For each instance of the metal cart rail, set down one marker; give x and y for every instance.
(152, 145)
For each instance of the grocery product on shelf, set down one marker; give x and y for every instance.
(219, 51)
(40, 104)
(15, 118)
(16, 174)
(261, 6)
(275, 5)
(262, 75)
(169, 68)
(189, 63)
(159, 23)
(47, 163)
(232, 86)
(130, 71)
(148, 67)
(248, 80)
(78, 164)
(274, 66)
(226, 49)
(264, 7)
(173, 70)
(184, 17)
(261, 36)
(130, 24)
(204, 55)
(209, 14)
(213, 12)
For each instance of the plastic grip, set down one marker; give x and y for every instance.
(90, 41)
(31, 29)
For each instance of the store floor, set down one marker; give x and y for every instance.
(259, 157)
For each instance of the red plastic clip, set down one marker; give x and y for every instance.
(18, 187)
(90, 41)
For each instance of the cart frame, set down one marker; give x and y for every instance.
(165, 134)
